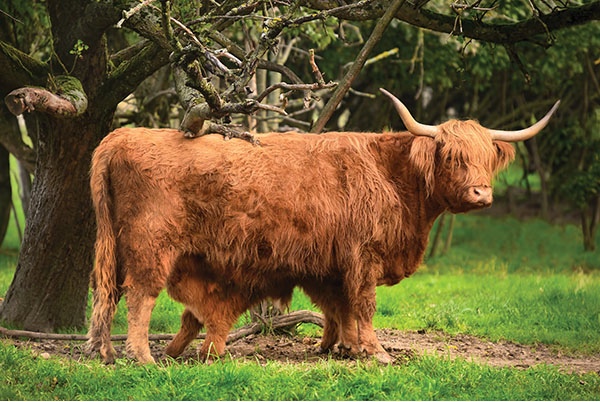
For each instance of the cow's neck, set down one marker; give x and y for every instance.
(419, 210)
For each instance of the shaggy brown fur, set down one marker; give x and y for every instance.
(224, 224)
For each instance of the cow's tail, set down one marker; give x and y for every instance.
(106, 289)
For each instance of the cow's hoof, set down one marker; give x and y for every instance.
(383, 358)
(141, 358)
(92, 349)
(146, 360)
(348, 351)
(173, 352)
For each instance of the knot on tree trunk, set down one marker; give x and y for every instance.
(69, 99)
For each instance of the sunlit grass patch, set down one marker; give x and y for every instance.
(426, 377)
(561, 310)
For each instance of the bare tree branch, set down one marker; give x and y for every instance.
(29, 99)
(276, 322)
(193, 123)
(295, 87)
(341, 90)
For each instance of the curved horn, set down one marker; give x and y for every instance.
(526, 133)
(413, 126)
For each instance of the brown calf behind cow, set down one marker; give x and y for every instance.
(225, 224)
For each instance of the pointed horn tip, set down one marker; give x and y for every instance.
(551, 111)
(525, 134)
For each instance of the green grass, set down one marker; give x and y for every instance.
(561, 310)
(8, 263)
(429, 377)
(513, 177)
(12, 240)
(485, 244)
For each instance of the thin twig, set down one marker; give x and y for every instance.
(134, 10)
(346, 82)
(315, 68)
(294, 87)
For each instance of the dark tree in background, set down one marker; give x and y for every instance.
(68, 64)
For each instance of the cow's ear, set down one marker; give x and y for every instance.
(505, 154)
(422, 158)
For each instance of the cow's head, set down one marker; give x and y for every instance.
(458, 159)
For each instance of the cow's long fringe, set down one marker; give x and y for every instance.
(104, 274)
(461, 143)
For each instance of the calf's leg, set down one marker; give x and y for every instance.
(220, 313)
(190, 327)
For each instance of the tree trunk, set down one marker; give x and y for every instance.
(50, 286)
(448, 242)
(535, 154)
(589, 224)
(437, 238)
(5, 192)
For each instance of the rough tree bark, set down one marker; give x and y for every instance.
(56, 298)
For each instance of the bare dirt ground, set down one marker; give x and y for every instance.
(402, 346)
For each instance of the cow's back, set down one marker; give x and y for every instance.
(290, 203)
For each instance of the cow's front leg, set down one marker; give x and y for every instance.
(139, 310)
(363, 310)
(335, 307)
(369, 343)
(348, 344)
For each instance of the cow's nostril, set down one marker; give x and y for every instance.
(482, 194)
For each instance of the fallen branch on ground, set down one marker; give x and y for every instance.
(282, 321)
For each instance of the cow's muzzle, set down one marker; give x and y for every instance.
(481, 196)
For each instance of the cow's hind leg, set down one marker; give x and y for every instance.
(190, 326)
(187, 285)
(100, 325)
(140, 304)
(339, 328)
